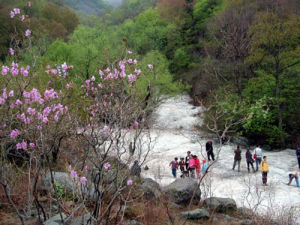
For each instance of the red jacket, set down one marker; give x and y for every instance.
(197, 163)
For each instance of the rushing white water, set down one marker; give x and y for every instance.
(173, 123)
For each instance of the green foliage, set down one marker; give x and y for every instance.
(159, 79)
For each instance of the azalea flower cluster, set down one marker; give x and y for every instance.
(74, 175)
(29, 107)
(17, 11)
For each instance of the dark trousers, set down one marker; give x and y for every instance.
(174, 173)
(239, 164)
(192, 172)
(264, 177)
(210, 154)
(250, 163)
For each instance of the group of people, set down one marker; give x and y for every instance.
(261, 162)
(189, 166)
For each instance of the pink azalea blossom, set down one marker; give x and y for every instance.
(150, 66)
(12, 105)
(70, 168)
(129, 182)
(93, 78)
(12, 14)
(22, 18)
(14, 133)
(29, 4)
(107, 165)
(5, 70)
(18, 102)
(129, 52)
(135, 62)
(107, 70)
(14, 71)
(74, 174)
(27, 33)
(138, 72)
(101, 73)
(19, 146)
(11, 51)
(39, 127)
(83, 180)
(53, 71)
(17, 11)
(11, 93)
(68, 85)
(85, 168)
(130, 61)
(31, 111)
(56, 117)
(24, 145)
(2, 101)
(45, 120)
(32, 145)
(106, 128)
(131, 78)
(64, 66)
(136, 123)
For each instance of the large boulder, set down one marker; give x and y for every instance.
(241, 141)
(65, 181)
(220, 204)
(55, 220)
(79, 220)
(195, 214)
(181, 191)
(150, 188)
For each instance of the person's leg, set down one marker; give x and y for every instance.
(174, 173)
(248, 166)
(239, 165)
(208, 156)
(290, 179)
(234, 163)
(213, 155)
(297, 181)
(263, 177)
(193, 172)
(251, 163)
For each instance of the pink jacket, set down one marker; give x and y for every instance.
(192, 163)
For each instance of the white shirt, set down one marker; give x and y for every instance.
(258, 152)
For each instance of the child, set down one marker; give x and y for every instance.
(292, 175)
(264, 168)
(198, 166)
(181, 166)
(174, 166)
(204, 166)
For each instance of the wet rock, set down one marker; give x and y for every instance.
(79, 220)
(241, 141)
(247, 222)
(150, 188)
(195, 214)
(181, 191)
(220, 204)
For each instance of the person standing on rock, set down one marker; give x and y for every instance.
(192, 166)
(174, 166)
(187, 158)
(197, 166)
(210, 150)
(136, 169)
(264, 168)
(249, 160)
(237, 158)
(298, 155)
(257, 156)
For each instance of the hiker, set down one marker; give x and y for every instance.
(192, 166)
(174, 166)
(264, 168)
(298, 156)
(136, 169)
(223, 139)
(197, 166)
(249, 160)
(181, 166)
(204, 167)
(210, 150)
(187, 160)
(257, 156)
(237, 158)
(292, 175)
